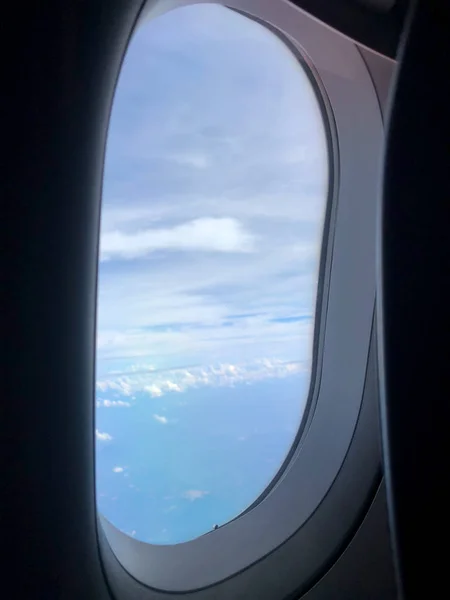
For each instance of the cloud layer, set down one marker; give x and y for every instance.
(161, 382)
(112, 403)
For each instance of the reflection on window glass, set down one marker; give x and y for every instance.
(215, 188)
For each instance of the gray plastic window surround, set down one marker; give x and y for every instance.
(345, 324)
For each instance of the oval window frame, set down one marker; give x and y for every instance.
(216, 558)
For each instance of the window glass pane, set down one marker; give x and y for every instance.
(215, 188)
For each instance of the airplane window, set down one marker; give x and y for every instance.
(215, 189)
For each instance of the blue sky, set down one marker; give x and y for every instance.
(214, 195)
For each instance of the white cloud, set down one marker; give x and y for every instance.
(159, 383)
(153, 390)
(161, 387)
(112, 403)
(171, 386)
(194, 494)
(118, 469)
(203, 234)
(102, 437)
(160, 419)
(120, 385)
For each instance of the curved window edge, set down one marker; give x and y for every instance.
(326, 246)
(325, 263)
